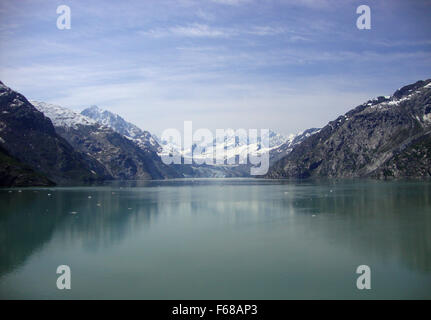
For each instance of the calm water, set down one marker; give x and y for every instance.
(218, 239)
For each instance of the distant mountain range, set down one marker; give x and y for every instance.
(149, 143)
(44, 144)
(145, 140)
(233, 145)
(279, 146)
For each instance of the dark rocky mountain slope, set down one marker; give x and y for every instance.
(16, 174)
(30, 138)
(384, 137)
(287, 147)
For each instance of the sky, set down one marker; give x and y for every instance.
(280, 64)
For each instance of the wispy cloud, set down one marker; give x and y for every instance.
(201, 30)
(232, 2)
(191, 30)
(204, 30)
(205, 15)
(266, 30)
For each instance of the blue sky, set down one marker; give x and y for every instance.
(281, 64)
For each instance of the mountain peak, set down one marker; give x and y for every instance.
(112, 120)
(95, 108)
(406, 90)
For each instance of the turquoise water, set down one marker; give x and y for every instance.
(217, 239)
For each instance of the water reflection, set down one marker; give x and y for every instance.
(31, 218)
(389, 221)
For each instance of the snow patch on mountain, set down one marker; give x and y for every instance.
(62, 117)
(401, 95)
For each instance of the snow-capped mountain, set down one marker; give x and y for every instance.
(234, 144)
(32, 152)
(142, 138)
(237, 145)
(120, 157)
(89, 132)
